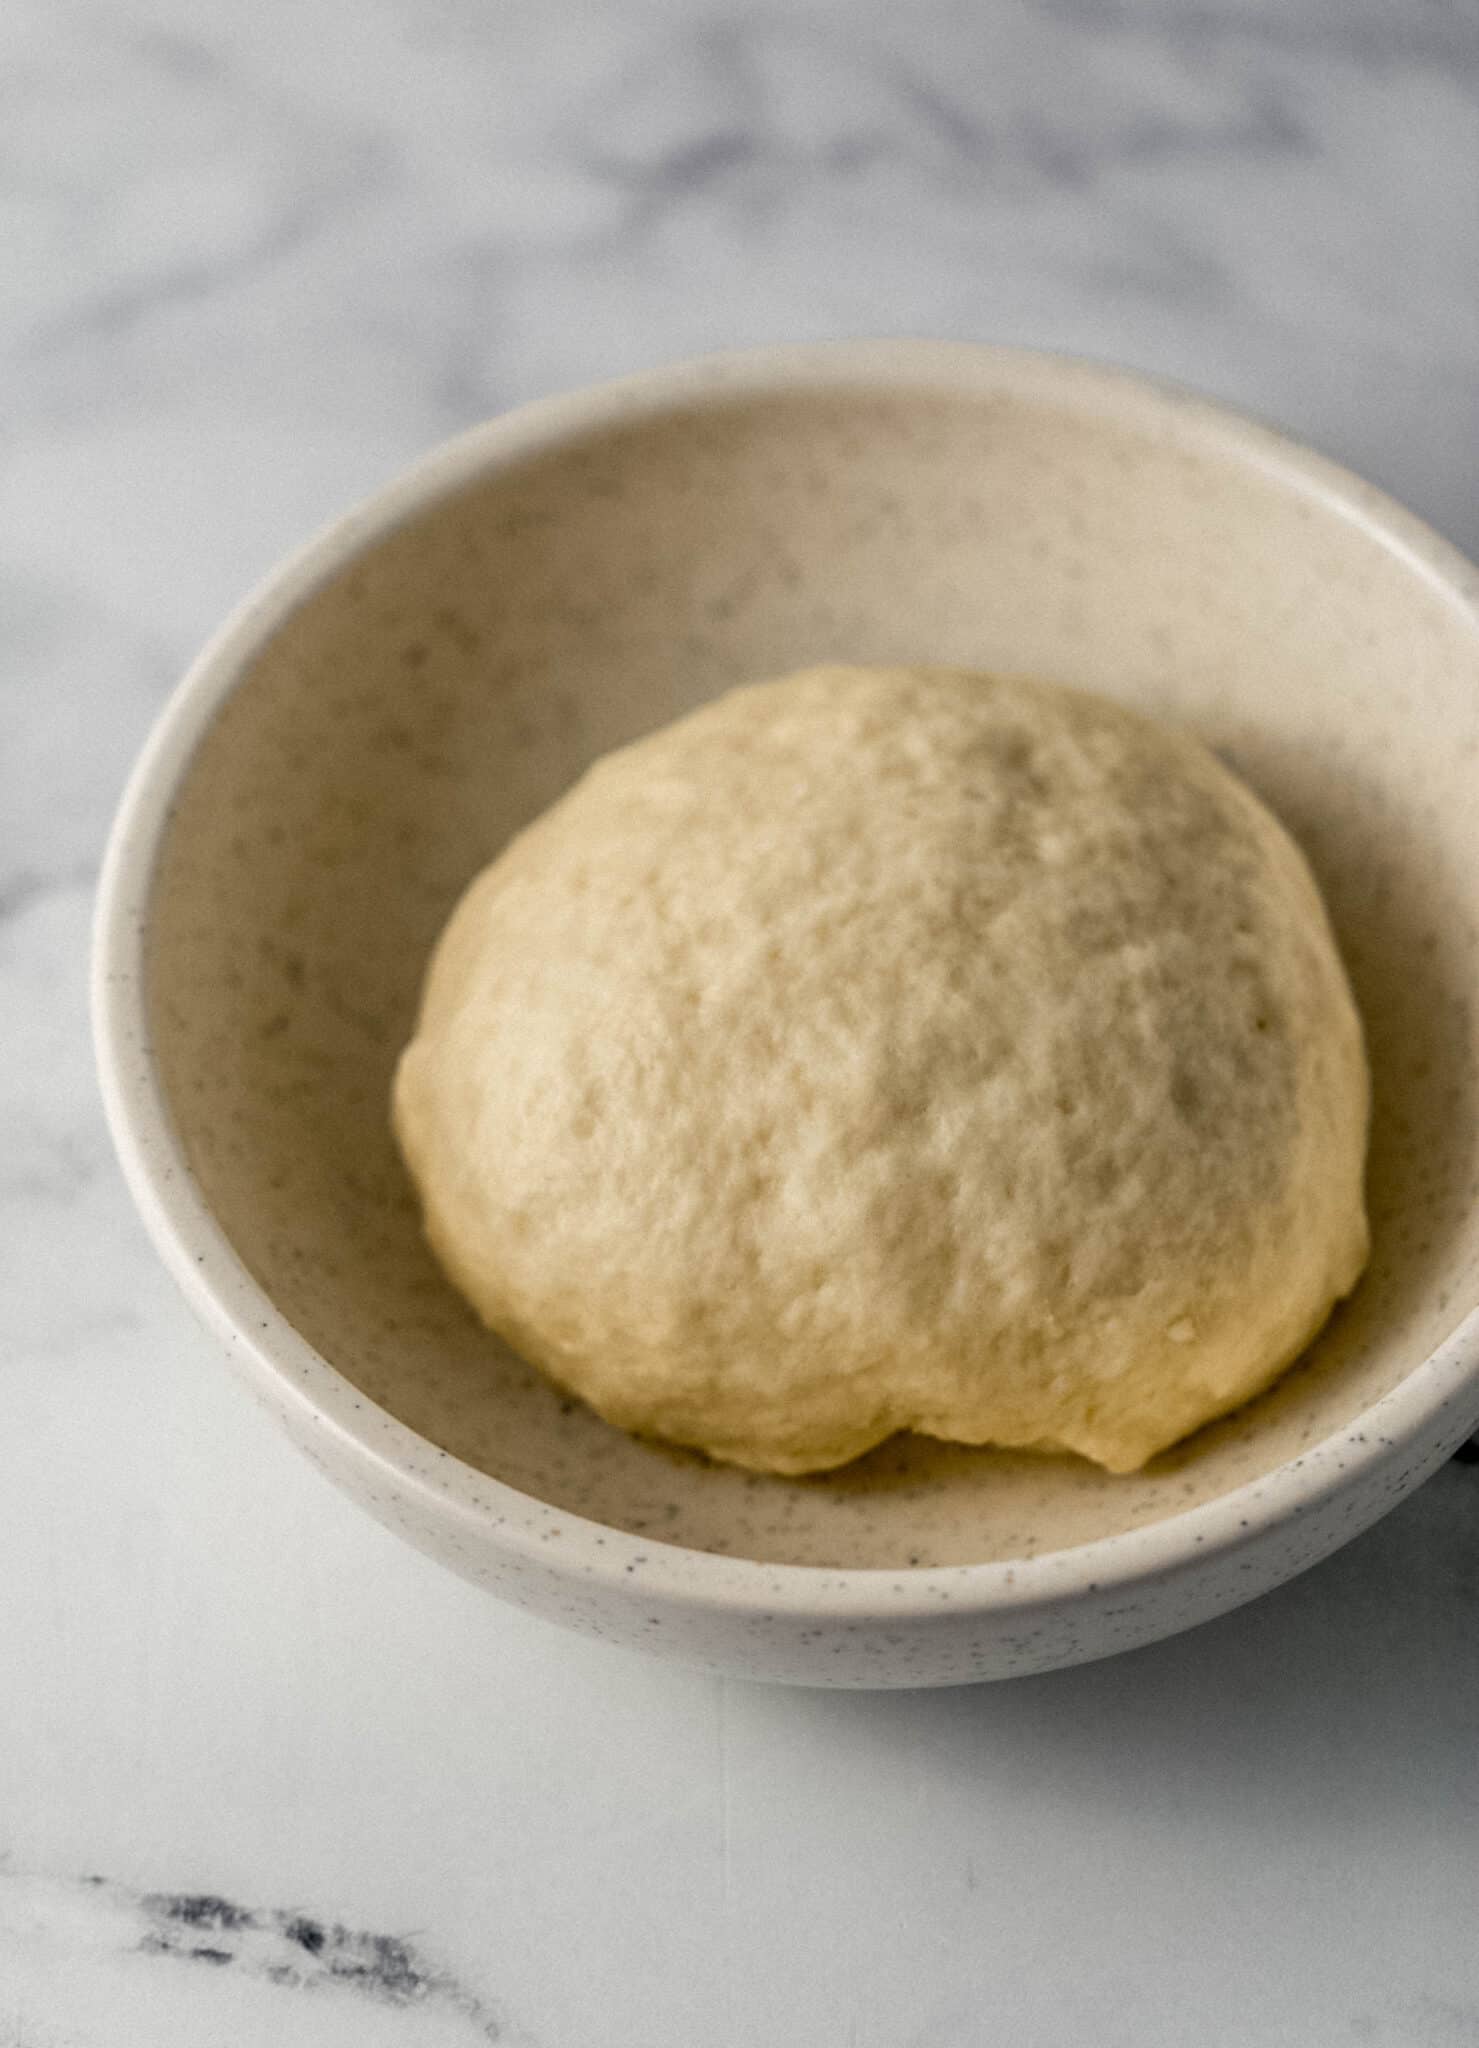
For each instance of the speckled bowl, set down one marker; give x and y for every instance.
(379, 718)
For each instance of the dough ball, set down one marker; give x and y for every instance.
(884, 1049)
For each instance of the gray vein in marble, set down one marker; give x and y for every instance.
(673, 129)
(1366, 32)
(285, 1947)
(27, 886)
(226, 178)
(729, 102)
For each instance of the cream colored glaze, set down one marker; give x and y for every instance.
(437, 694)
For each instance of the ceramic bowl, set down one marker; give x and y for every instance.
(400, 698)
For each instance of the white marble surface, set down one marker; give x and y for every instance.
(266, 1778)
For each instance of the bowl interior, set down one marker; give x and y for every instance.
(457, 675)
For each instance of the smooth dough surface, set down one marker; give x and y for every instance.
(896, 1048)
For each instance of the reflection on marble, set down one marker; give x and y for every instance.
(253, 259)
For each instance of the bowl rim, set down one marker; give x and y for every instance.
(269, 1353)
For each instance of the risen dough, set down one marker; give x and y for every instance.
(896, 1048)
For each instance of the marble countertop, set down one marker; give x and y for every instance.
(268, 1778)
